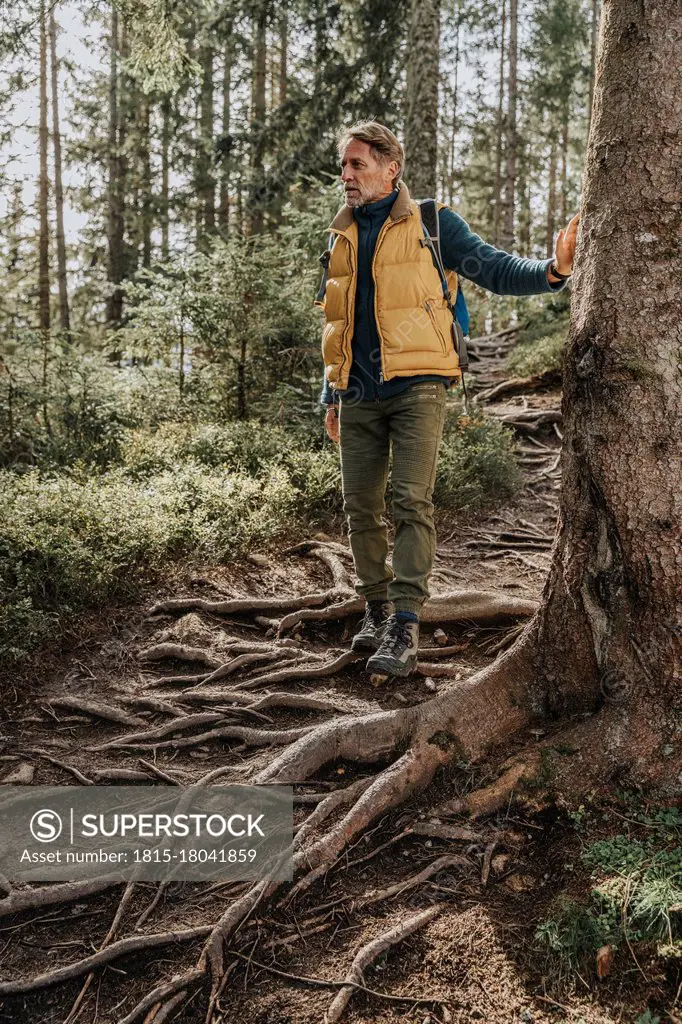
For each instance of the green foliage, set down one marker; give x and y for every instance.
(637, 898)
(539, 356)
(243, 307)
(569, 935)
(477, 467)
(66, 544)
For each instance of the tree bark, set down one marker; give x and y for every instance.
(594, 34)
(43, 189)
(551, 200)
(565, 132)
(205, 179)
(258, 119)
(421, 126)
(453, 121)
(497, 199)
(283, 56)
(165, 168)
(611, 620)
(64, 317)
(145, 155)
(226, 157)
(115, 227)
(511, 139)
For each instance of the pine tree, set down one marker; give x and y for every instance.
(43, 188)
(421, 125)
(64, 317)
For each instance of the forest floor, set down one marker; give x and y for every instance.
(478, 959)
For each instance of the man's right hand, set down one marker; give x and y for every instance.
(331, 423)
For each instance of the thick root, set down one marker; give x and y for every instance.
(369, 953)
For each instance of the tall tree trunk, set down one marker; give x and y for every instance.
(146, 158)
(64, 317)
(453, 120)
(258, 118)
(565, 129)
(165, 165)
(283, 56)
(205, 179)
(511, 141)
(525, 218)
(612, 608)
(43, 189)
(594, 33)
(226, 154)
(115, 225)
(497, 198)
(421, 126)
(551, 200)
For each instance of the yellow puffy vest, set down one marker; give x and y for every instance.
(413, 321)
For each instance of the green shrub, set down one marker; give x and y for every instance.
(67, 544)
(540, 355)
(637, 898)
(477, 466)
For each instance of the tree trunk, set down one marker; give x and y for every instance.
(551, 201)
(453, 122)
(258, 119)
(115, 227)
(226, 156)
(165, 167)
(283, 56)
(145, 155)
(525, 218)
(43, 189)
(565, 130)
(508, 234)
(205, 181)
(497, 198)
(421, 126)
(594, 34)
(610, 624)
(64, 318)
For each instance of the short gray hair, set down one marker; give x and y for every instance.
(379, 138)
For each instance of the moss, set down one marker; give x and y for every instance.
(448, 743)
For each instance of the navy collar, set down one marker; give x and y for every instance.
(378, 206)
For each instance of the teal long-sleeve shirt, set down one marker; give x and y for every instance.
(462, 250)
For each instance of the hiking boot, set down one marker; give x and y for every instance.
(373, 626)
(397, 654)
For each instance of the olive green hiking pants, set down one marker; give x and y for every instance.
(411, 425)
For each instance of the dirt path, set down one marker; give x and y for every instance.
(475, 957)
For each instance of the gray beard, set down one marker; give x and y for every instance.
(354, 199)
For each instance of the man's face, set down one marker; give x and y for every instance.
(365, 178)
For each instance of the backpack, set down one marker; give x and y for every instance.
(460, 314)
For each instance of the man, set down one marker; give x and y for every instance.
(389, 359)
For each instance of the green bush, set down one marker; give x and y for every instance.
(540, 355)
(637, 898)
(205, 491)
(67, 544)
(477, 467)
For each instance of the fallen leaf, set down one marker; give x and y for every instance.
(604, 961)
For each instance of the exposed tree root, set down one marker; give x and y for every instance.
(20, 900)
(369, 953)
(440, 864)
(253, 737)
(97, 709)
(132, 944)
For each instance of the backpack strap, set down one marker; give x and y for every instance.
(324, 260)
(431, 226)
